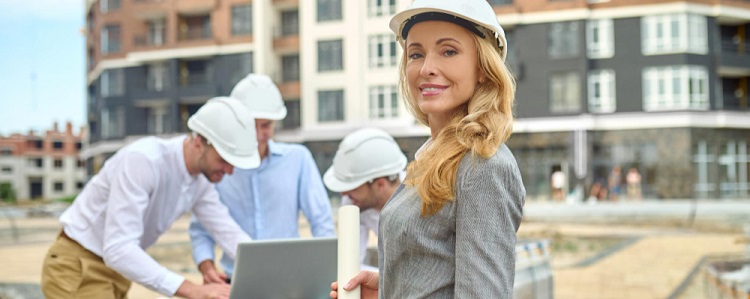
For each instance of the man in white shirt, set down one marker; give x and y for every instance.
(366, 170)
(137, 195)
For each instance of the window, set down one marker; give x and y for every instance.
(158, 120)
(35, 144)
(58, 163)
(292, 119)
(242, 19)
(58, 145)
(383, 101)
(290, 22)
(330, 105)
(675, 87)
(602, 91)
(329, 10)
(58, 186)
(113, 122)
(379, 8)
(156, 76)
(156, 32)
(194, 72)
(79, 185)
(382, 51)
(78, 146)
(112, 83)
(7, 169)
(674, 33)
(600, 38)
(110, 39)
(565, 93)
(330, 55)
(36, 162)
(81, 164)
(290, 68)
(563, 40)
(109, 5)
(6, 151)
(240, 65)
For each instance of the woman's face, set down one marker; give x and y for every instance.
(442, 67)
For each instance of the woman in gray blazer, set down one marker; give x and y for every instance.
(450, 229)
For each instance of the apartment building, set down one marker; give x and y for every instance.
(659, 86)
(43, 167)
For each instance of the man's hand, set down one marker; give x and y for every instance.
(207, 291)
(210, 274)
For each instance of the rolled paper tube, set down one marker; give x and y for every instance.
(348, 246)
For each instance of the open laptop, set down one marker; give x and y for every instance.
(285, 268)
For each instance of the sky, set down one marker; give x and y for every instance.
(42, 65)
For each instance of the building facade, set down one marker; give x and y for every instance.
(43, 167)
(658, 86)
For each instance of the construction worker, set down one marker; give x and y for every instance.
(366, 171)
(266, 201)
(141, 190)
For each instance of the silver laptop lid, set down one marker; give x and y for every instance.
(285, 268)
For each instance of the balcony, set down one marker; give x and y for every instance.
(735, 58)
(289, 43)
(147, 40)
(290, 90)
(194, 28)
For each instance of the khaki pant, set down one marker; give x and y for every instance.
(71, 271)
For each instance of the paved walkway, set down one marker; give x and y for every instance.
(652, 267)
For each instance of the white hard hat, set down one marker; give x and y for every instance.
(364, 155)
(477, 12)
(230, 129)
(261, 97)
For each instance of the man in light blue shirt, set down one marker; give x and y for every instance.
(266, 201)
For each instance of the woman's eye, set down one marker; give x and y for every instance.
(450, 52)
(415, 56)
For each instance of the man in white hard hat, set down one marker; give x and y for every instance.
(366, 171)
(137, 195)
(266, 201)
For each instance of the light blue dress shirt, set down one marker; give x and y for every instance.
(266, 201)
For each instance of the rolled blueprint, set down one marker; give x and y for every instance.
(348, 246)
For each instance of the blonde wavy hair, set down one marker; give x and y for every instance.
(479, 127)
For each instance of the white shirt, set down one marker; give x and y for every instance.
(134, 199)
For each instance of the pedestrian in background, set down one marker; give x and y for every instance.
(450, 230)
(614, 182)
(633, 178)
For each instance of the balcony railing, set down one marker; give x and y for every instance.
(735, 46)
(148, 40)
(195, 34)
(194, 79)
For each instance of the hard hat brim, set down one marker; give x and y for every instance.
(277, 115)
(242, 162)
(398, 20)
(336, 185)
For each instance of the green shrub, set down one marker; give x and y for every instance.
(68, 199)
(7, 193)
